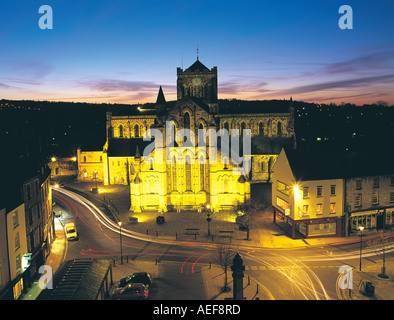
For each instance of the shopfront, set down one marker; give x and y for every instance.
(309, 228)
(371, 219)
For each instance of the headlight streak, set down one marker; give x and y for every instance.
(299, 278)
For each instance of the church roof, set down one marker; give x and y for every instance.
(196, 67)
(235, 106)
(120, 147)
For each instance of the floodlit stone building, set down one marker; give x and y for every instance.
(193, 162)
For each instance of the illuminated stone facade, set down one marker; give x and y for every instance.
(185, 176)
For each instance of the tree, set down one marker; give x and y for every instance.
(224, 257)
(251, 208)
(379, 246)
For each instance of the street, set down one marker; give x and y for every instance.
(186, 270)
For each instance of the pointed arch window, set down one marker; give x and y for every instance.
(243, 127)
(202, 173)
(136, 131)
(226, 126)
(186, 120)
(188, 173)
(121, 131)
(173, 173)
(279, 127)
(261, 128)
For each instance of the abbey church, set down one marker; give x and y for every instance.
(186, 176)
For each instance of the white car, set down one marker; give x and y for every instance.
(71, 231)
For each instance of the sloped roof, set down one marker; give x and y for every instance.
(321, 165)
(121, 147)
(197, 67)
(256, 106)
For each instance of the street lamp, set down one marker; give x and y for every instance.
(361, 228)
(208, 219)
(120, 235)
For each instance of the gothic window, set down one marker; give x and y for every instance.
(121, 131)
(226, 126)
(243, 127)
(188, 173)
(84, 158)
(261, 128)
(136, 131)
(186, 120)
(174, 178)
(201, 133)
(279, 128)
(262, 166)
(202, 173)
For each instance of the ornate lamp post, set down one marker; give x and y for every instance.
(208, 219)
(120, 236)
(361, 228)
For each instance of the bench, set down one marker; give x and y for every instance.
(226, 233)
(192, 231)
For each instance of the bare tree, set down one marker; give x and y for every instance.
(224, 257)
(380, 246)
(251, 208)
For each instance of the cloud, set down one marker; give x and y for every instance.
(236, 87)
(106, 85)
(5, 86)
(370, 62)
(339, 84)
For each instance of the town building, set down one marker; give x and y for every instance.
(369, 200)
(308, 193)
(27, 225)
(181, 173)
(323, 194)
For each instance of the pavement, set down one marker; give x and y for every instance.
(263, 234)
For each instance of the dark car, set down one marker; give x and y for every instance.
(137, 277)
(132, 291)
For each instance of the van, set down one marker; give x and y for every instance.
(71, 231)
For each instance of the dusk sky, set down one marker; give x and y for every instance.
(122, 51)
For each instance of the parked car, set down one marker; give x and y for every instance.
(137, 277)
(71, 231)
(132, 291)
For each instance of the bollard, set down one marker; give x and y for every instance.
(147, 232)
(212, 238)
(257, 289)
(127, 259)
(176, 235)
(113, 261)
(157, 233)
(248, 280)
(210, 264)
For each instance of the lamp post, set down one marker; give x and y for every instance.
(208, 219)
(120, 235)
(361, 228)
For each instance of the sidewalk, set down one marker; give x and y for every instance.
(54, 260)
